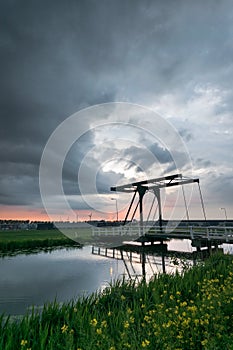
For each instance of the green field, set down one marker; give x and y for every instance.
(12, 241)
(173, 312)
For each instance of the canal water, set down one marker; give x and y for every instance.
(28, 280)
(61, 274)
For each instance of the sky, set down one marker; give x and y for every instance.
(150, 86)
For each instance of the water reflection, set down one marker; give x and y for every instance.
(64, 274)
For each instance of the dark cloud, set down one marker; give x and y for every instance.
(142, 159)
(58, 57)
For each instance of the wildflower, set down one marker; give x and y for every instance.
(183, 304)
(94, 322)
(23, 342)
(112, 348)
(99, 331)
(122, 297)
(64, 328)
(129, 311)
(204, 342)
(147, 318)
(126, 324)
(131, 319)
(104, 323)
(109, 313)
(171, 297)
(145, 343)
(143, 306)
(75, 309)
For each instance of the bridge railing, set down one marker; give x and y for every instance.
(212, 232)
(129, 230)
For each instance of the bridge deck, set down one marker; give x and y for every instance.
(198, 235)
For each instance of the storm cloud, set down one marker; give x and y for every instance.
(59, 57)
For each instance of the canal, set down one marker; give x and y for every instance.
(61, 274)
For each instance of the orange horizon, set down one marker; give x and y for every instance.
(22, 213)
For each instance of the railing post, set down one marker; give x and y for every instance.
(191, 232)
(207, 233)
(226, 235)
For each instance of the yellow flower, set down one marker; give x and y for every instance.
(131, 319)
(112, 348)
(94, 322)
(126, 324)
(123, 297)
(23, 342)
(145, 343)
(204, 342)
(99, 331)
(147, 318)
(151, 312)
(64, 328)
(109, 313)
(104, 324)
(183, 304)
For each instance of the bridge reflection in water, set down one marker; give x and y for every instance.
(155, 247)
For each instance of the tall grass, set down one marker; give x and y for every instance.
(171, 312)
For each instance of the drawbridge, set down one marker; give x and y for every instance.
(149, 237)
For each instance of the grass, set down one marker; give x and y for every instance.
(14, 241)
(172, 312)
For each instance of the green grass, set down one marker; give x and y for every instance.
(172, 312)
(14, 241)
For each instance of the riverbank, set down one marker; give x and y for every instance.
(17, 241)
(20, 240)
(189, 311)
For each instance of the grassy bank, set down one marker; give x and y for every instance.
(172, 312)
(12, 241)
